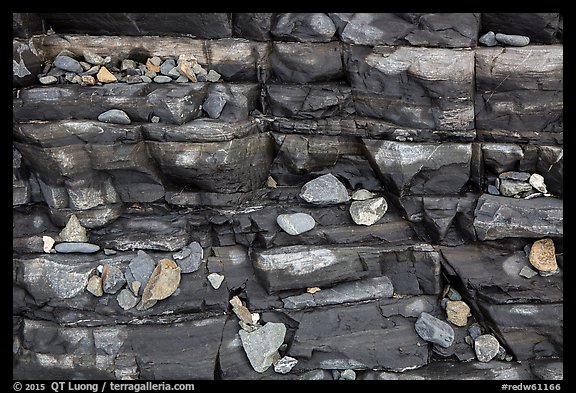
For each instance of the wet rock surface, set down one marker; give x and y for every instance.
(288, 196)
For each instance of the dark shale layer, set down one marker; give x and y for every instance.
(414, 108)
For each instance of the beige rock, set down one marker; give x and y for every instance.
(271, 183)
(188, 72)
(457, 312)
(312, 289)
(105, 76)
(241, 311)
(543, 255)
(73, 231)
(151, 67)
(88, 80)
(94, 286)
(48, 244)
(163, 282)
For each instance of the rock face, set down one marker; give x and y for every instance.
(288, 196)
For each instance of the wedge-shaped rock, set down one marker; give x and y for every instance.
(162, 283)
(520, 89)
(306, 63)
(499, 217)
(423, 168)
(450, 30)
(430, 88)
(360, 336)
(238, 165)
(315, 101)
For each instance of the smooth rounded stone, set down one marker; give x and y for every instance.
(527, 272)
(126, 299)
(105, 76)
(213, 105)
(68, 64)
(513, 187)
(115, 116)
(486, 347)
(146, 79)
(47, 244)
(513, 175)
(162, 79)
(261, 345)
(431, 329)
(190, 257)
(73, 231)
(215, 280)
(167, 66)
(488, 39)
(348, 374)
(457, 312)
(93, 58)
(163, 282)
(512, 40)
(94, 286)
(213, 76)
(48, 80)
(493, 190)
(368, 212)
(296, 223)
(324, 190)
(543, 255)
(285, 365)
(362, 195)
(182, 79)
(112, 279)
(92, 71)
(83, 248)
(537, 181)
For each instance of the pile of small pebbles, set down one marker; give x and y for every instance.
(91, 69)
(519, 185)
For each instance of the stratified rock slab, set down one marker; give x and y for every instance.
(360, 336)
(499, 217)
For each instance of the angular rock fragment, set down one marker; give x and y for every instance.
(527, 272)
(163, 282)
(112, 279)
(434, 330)
(488, 39)
(285, 364)
(261, 345)
(362, 195)
(369, 211)
(126, 299)
(139, 270)
(324, 190)
(48, 243)
(486, 347)
(513, 187)
(295, 224)
(94, 286)
(543, 255)
(190, 257)
(105, 76)
(73, 231)
(215, 280)
(457, 312)
(537, 181)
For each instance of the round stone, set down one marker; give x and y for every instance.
(486, 347)
(368, 212)
(543, 255)
(115, 116)
(295, 224)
